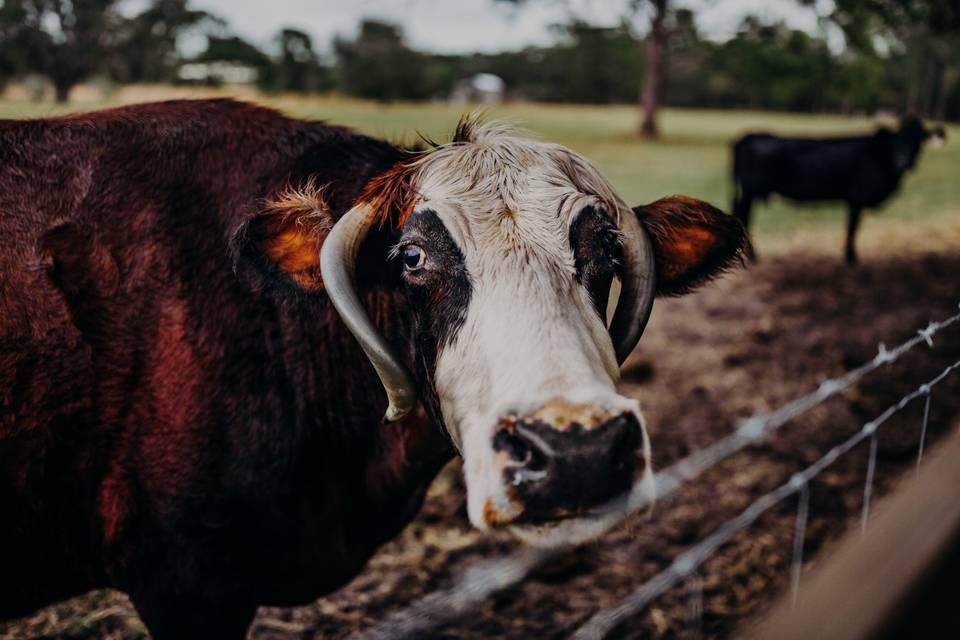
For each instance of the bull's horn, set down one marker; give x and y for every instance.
(638, 285)
(338, 258)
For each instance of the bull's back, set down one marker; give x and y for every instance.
(109, 217)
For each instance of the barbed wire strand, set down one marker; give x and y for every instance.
(603, 622)
(758, 427)
(483, 579)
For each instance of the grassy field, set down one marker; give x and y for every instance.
(692, 158)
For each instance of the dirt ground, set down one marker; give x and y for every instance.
(748, 343)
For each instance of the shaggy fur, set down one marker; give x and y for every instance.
(290, 231)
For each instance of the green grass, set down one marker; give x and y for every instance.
(692, 158)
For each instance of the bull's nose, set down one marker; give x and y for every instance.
(556, 471)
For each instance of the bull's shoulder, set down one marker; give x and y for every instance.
(222, 151)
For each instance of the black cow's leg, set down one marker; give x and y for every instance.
(741, 209)
(179, 617)
(853, 221)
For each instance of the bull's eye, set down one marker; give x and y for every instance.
(414, 257)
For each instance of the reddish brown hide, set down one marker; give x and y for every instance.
(203, 441)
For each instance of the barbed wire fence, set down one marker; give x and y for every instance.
(684, 565)
(477, 583)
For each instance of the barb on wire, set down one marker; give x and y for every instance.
(603, 622)
(477, 583)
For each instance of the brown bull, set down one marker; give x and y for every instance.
(185, 416)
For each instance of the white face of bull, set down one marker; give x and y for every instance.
(507, 248)
(525, 376)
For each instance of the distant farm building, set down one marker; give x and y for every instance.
(217, 72)
(483, 88)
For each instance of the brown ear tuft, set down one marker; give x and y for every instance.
(392, 194)
(291, 229)
(693, 242)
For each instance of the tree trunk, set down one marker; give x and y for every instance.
(653, 80)
(62, 90)
(949, 77)
(925, 85)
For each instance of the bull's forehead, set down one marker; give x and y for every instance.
(510, 198)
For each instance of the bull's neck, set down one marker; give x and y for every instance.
(417, 443)
(390, 465)
(387, 464)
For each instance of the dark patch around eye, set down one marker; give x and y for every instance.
(441, 289)
(596, 251)
(439, 294)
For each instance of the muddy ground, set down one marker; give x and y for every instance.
(749, 343)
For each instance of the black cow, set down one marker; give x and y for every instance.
(862, 171)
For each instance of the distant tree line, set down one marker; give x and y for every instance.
(763, 66)
(898, 57)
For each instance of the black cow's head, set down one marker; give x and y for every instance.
(909, 139)
(507, 249)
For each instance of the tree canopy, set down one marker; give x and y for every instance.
(70, 40)
(899, 55)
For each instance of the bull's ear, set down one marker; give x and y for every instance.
(693, 242)
(280, 246)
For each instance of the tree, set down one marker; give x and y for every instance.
(70, 40)
(298, 68)
(770, 66)
(232, 51)
(595, 64)
(10, 18)
(923, 32)
(379, 65)
(655, 45)
(147, 42)
(65, 40)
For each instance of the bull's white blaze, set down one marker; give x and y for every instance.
(531, 333)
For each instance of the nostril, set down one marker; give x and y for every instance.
(537, 461)
(516, 448)
(624, 440)
(628, 432)
(520, 450)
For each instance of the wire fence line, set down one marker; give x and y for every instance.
(477, 583)
(684, 565)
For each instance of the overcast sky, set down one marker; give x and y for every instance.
(456, 26)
